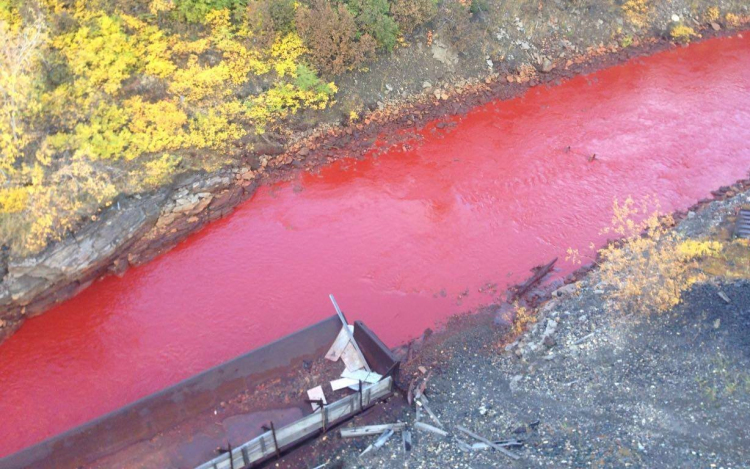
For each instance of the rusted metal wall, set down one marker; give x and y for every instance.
(167, 408)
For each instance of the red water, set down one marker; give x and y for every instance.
(397, 238)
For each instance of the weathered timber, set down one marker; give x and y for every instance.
(429, 428)
(351, 335)
(370, 430)
(488, 442)
(538, 273)
(262, 447)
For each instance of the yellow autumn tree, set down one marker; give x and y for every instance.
(20, 57)
(651, 265)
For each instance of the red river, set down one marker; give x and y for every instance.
(397, 238)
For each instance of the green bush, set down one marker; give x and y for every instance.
(373, 18)
(282, 13)
(195, 11)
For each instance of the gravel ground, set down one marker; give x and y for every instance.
(602, 390)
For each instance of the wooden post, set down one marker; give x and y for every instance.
(351, 336)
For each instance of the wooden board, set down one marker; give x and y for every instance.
(337, 348)
(351, 358)
(263, 446)
(370, 430)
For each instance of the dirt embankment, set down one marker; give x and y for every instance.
(586, 386)
(513, 47)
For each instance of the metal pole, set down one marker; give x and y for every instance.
(351, 336)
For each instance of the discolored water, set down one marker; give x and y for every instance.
(398, 238)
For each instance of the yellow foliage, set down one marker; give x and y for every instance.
(733, 19)
(160, 170)
(158, 6)
(693, 249)
(20, 59)
(682, 33)
(128, 98)
(524, 318)
(58, 201)
(286, 51)
(637, 11)
(100, 52)
(13, 200)
(154, 127)
(712, 14)
(651, 266)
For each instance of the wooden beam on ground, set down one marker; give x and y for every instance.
(488, 442)
(429, 428)
(370, 430)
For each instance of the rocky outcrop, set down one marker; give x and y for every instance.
(131, 232)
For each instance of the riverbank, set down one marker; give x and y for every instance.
(137, 229)
(585, 384)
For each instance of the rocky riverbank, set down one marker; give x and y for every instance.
(586, 385)
(135, 229)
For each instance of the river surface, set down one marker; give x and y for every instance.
(404, 240)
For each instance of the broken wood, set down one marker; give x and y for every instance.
(488, 442)
(316, 395)
(430, 428)
(368, 430)
(337, 348)
(350, 333)
(265, 444)
(539, 272)
(406, 438)
(342, 383)
(361, 375)
(351, 358)
(724, 297)
(423, 403)
(378, 443)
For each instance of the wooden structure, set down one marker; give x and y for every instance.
(192, 400)
(275, 440)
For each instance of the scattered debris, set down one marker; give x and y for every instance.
(406, 437)
(488, 442)
(361, 375)
(423, 403)
(316, 395)
(342, 383)
(430, 428)
(724, 297)
(378, 443)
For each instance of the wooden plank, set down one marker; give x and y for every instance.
(379, 442)
(423, 403)
(316, 394)
(430, 428)
(263, 446)
(488, 442)
(342, 383)
(370, 430)
(352, 359)
(351, 334)
(337, 348)
(361, 375)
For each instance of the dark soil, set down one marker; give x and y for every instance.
(670, 390)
